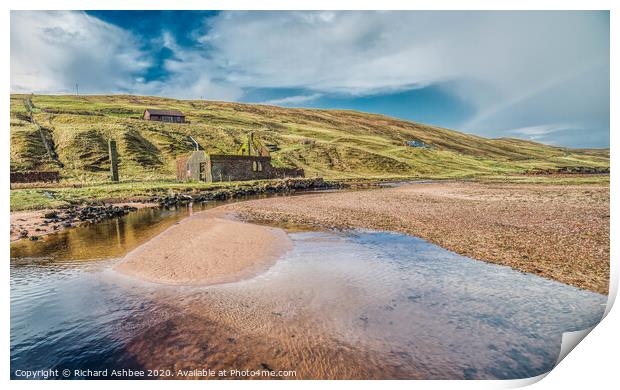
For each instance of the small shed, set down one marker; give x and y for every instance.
(171, 116)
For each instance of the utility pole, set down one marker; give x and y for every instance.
(77, 90)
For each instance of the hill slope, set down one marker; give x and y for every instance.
(329, 143)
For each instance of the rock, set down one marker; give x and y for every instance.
(23, 233)
(50, 215)
(67, 225)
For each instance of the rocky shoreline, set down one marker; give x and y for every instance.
(569, 171)
(270, 187)
(35, 224)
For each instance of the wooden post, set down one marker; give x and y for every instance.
(113, 160)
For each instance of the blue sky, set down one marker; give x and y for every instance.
(542, 76)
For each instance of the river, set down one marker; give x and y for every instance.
(353, 304)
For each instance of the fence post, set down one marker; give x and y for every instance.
(113, 160)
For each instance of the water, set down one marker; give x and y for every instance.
(357, 304)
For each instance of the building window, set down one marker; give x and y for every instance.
(254, 166)
(260, 166)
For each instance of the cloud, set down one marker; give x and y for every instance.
(540, 132)
(370, 52)
(51, 51)
(191, 74)
(293, 100)
(516, 69)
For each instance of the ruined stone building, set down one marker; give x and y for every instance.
(253, 163)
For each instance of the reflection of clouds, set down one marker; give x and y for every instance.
(107, 239)
(359, 305)
(392, 299)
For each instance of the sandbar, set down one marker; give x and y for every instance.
(206, 248)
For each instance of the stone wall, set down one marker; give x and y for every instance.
(33, 177)
(236, 168)
(281, 173)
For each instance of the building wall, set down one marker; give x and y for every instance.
(182, 168)
(188, 168)
(220, 167)
(234, 168)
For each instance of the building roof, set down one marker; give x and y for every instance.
(164, 112)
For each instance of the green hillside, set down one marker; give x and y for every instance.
(328, 143)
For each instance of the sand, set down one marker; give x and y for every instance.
(559, 232)
(206, 248)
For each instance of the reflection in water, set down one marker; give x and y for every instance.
(351, 305)
(111, 238)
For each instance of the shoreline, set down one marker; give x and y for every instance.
(557, 231)
(36, 224)
(28, 223)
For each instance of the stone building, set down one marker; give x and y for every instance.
(200, 166)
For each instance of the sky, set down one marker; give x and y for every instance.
(536, 75)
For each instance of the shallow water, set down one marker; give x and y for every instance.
(358, 304)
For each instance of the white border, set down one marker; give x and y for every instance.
(591, 365)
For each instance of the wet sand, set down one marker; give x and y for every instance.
(560, 232)
(206, 248)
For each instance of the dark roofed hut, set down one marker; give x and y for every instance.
(171, 116)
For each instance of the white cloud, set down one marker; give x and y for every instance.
(540, 129)
(293, 100)
(190, 76)
(51, 51)
(367, 52)
(516, 69)
(540, 132)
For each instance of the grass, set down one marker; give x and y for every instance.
(334, 144)
(38, 198)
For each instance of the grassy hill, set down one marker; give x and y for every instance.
(330, 143)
